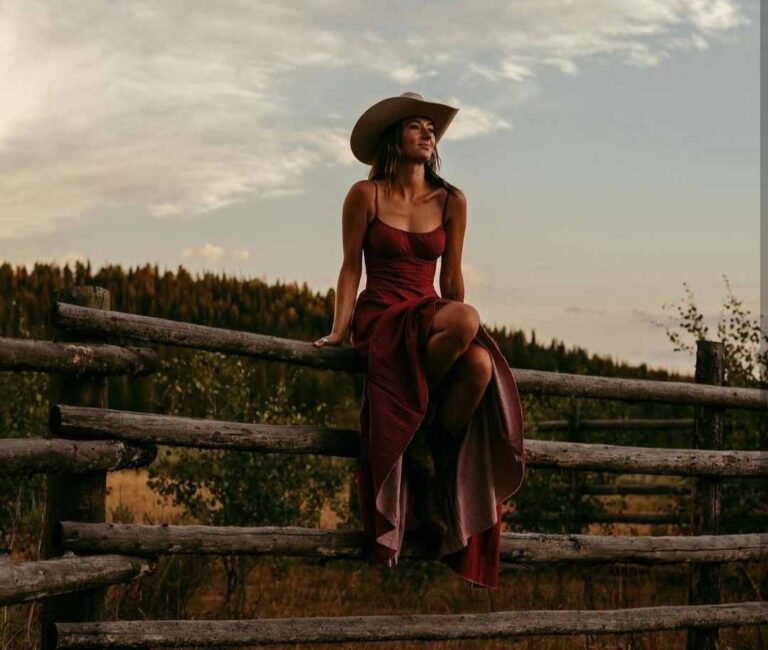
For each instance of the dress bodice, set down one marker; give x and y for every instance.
(400, 261)
(385, 241)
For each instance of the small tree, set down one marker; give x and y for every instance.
(224, 488)
(746, 365)
(746, 343)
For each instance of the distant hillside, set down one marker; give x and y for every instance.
(285, 310)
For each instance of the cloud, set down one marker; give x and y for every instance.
(472, 121)
(715, 15)
(576, 309)
(70, 258)
(207, 251)
(182, 107)
(515, 71)
(473, 276)
(214, 253)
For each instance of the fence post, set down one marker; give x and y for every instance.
(576, 480)
(704, 579)
(72, 496)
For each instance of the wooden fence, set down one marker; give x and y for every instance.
(87, 439)
(578, 488)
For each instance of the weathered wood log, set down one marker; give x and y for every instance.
(75, 358)
(539, 382)
(618, 423)
(551, 425)
(25, 581)
(648, 518)
(27, 456)
(92, 423)
(635, 489)
(704, 582)
(201, 337)
(646, 460)
(81, 422)
(680, 519)
(73, 495)
(670, 519)
(145, 539)
(636, 423)
(412, 627)
(575, 477)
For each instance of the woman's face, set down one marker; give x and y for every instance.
(418, 141)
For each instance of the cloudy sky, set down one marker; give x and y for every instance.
(609, 150)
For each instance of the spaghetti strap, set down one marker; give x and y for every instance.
(445, 205)
(376, 214)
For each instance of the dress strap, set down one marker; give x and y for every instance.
(376, 214)
(445, 205)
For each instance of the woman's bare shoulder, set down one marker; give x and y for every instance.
(456, 208)
(360, 201)
(361, 188)
(457, 195)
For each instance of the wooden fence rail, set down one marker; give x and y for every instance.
(615, 424)
(416, 627)
(76, 358)
(146, 539)
(125, 544)
(25, 581)
(202, 337)
(645, 518)
(27, 456)
(634, 489)
(81, 453)
(80, 422)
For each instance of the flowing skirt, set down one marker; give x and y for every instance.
(391, 340)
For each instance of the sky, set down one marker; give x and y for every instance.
(609, 151)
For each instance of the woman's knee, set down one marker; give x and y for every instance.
(465, 321)
(476, 365)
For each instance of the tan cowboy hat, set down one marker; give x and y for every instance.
(372, 123)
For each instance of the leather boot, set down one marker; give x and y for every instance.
(427, 505)
(445, 446)
(423, 480)
(419, 455)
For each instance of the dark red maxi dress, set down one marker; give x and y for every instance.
(391, 321)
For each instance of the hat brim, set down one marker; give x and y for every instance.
(371, 124)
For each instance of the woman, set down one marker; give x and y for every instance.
(441, 424)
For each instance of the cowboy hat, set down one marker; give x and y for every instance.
(372, 123)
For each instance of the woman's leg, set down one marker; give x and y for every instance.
(466, 384)
(450, 351)
(464, 367)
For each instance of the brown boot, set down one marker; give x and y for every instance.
(428, 508)
(418, 455)
(445, 446)
(427, 501)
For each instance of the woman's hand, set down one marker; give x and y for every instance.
(331, 339)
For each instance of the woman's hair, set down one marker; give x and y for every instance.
(389, 155)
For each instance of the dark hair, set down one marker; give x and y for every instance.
(389, 155)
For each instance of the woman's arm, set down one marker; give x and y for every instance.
(354, 220)
(451, 278)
